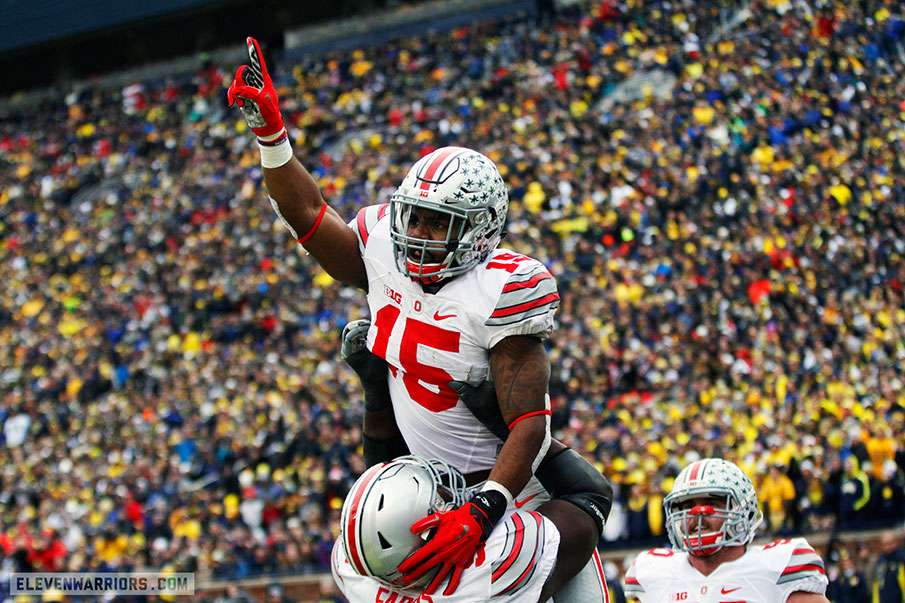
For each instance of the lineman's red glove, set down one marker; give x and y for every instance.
(458, 534)
(447, 569)
(253, 90)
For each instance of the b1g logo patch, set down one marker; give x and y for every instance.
(393, 295)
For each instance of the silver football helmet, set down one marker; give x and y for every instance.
(464, 184)
(740, 513)
(381, 507)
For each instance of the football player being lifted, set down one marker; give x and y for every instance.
(449, 311)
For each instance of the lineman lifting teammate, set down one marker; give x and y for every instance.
(523, 560)
(448, 309)
(711, 517)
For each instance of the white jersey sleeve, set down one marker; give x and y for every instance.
(796, 566)
(365, 220)
(764, 574)
(527, 301)
(512, 567)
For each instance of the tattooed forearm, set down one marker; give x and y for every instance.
(521, 371)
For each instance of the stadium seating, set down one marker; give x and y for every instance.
(729, 257)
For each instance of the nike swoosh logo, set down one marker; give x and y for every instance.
(522, 503)
(726, 591)
(438, 316)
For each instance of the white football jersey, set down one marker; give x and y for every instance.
(764, 574)
(512, 567)
(429, 340)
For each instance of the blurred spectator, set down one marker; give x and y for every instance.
(887, 497)
(889, 570)
(329, 593)
(234, 594)
(275, 594)
(776, 494)
(854, 494)
(849, 585)
(637, 514)
(881, 449)
(614, 583)
(816, 514)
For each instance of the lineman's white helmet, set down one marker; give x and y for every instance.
(381, 507)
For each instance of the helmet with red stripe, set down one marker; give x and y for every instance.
(466, 186)
(705, 492)
(381, 507)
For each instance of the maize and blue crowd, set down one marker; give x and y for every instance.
(729, 258)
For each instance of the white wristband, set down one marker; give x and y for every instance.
(490, 485)
(274, 156)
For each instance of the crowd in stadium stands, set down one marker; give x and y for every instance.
(731, 261)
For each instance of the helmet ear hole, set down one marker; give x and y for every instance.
(384, 543)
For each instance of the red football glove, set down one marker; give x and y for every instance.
(253, 90)
(458, 534)
(455, 573)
